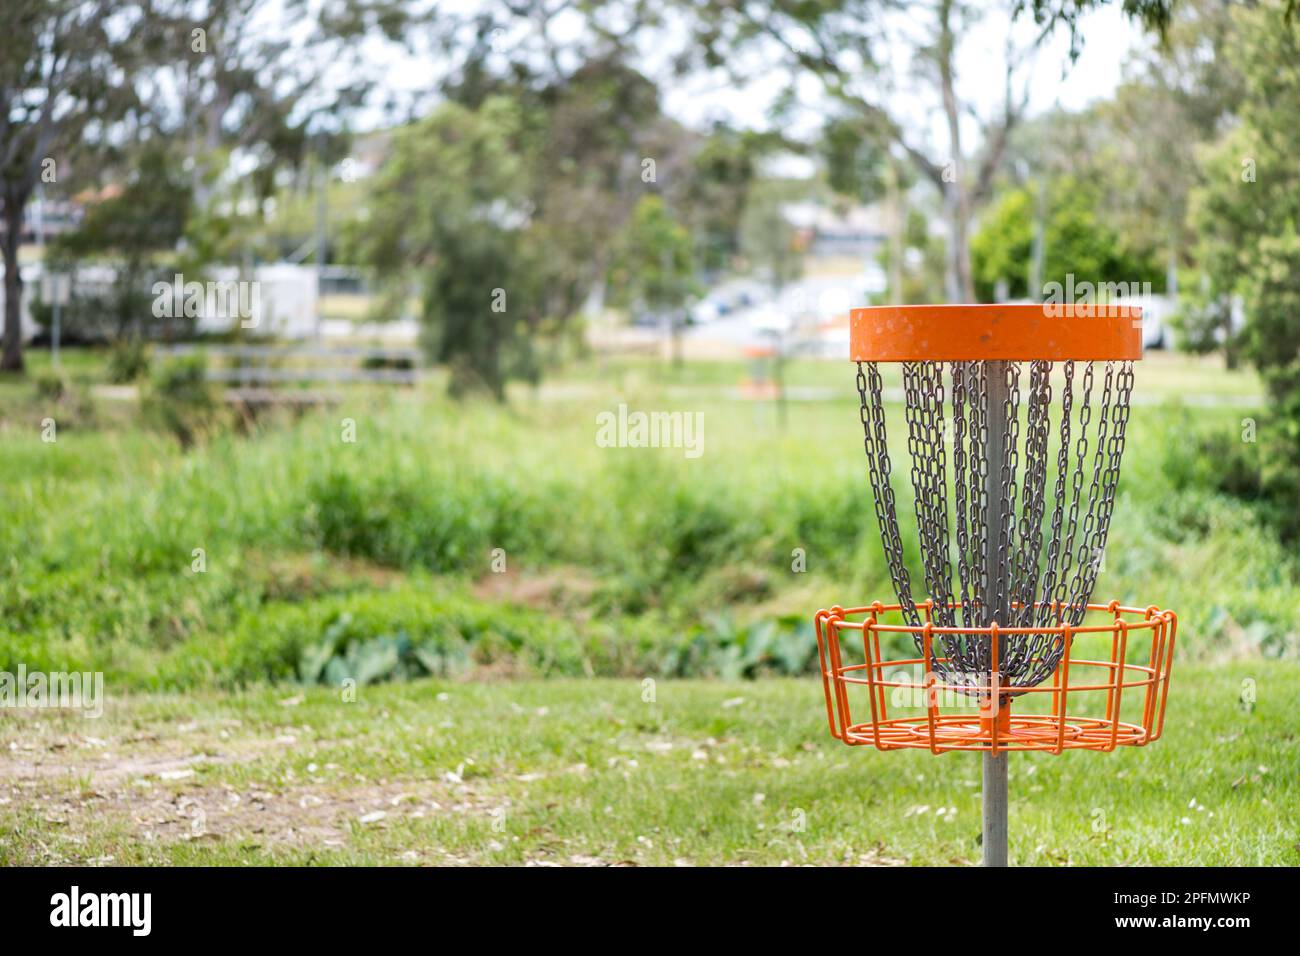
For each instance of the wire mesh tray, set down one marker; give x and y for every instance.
(1114, 672)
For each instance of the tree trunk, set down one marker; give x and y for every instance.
(958, 198)
(896, 229)
(12, 358)
(675, 323)
(959, 254)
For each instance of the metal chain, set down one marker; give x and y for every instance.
(1088, 557)
(878, 468)
(1046, 611)
(965, 566)
(923, 387)
(1076, 495)
(1043, 585)
(1007, 495)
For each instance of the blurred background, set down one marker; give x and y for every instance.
(467, 229)
(313, 309)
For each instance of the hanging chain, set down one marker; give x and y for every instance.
(965, 565)
(1037, 584)
(878, 467)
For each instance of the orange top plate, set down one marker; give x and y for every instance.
(970, 333)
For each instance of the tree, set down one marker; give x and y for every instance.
(917, 277)
(449, 213)
(839, 42)
(712, 192)
(1078, 240)
(67, 69)
(134, 229)
(594, 136)
(655, 267)
(1136, 151)
(1245, 215)
(767, 238)
(257, 98)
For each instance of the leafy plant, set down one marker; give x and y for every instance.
(181, 400)
(128, 361)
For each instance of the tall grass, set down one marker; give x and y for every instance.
(673, 559)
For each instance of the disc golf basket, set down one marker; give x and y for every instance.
(1015, 420)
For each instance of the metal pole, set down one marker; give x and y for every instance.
(996, 603)
(322, 211)
(54, 326)
(995, 810)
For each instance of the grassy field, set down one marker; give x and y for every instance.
(226, 591)
(587, 772)
(263, 556)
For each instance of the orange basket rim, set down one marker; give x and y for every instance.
(1048, 331)
(1150, 617)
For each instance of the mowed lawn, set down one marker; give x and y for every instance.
(606, 772)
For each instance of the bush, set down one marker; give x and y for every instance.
(128, 361)
(58, 396)
(378, 636)
(181, 400)
(1221, 460)
(50, 385)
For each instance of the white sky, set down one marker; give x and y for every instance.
(1108, 39)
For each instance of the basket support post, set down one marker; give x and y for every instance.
(995, 809)
(994, 792)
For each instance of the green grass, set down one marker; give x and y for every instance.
(590, 772)
(323, 558)
(649, 562)
(1161, 376)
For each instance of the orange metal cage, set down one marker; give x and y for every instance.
(954, 717)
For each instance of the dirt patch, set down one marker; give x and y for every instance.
(318, 814)
(563, 588)
(302, 576)
(154, 787)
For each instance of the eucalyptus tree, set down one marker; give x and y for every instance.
(863, 52)
(67, 74)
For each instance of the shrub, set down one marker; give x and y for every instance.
(181, 400)
(50, 385)
(128, 361)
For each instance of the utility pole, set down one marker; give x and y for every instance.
(322, 208)
(896, 227)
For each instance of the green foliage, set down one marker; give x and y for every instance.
(924, 261)
(128, 361)
(378, 554)
(180, 400)
(730, 651)
(1078, 240)
(502, 210)
(460, 170)
(50, 385)
(135, 231)
(712, 197)
(59, 396)
(146, 216)
(654, 266)
(1272, 343)
(1220, 460)
(1245, 214)
(856, 165)
(767, 239)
